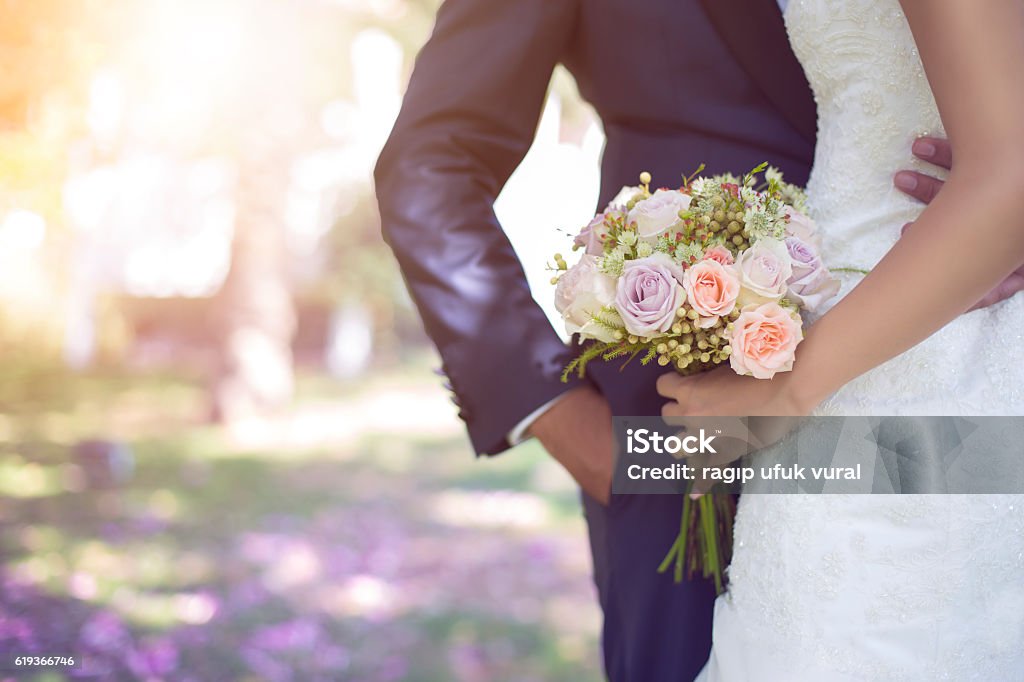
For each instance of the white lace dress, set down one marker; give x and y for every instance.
(911, 587)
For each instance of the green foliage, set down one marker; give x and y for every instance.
(578, 365)
(748, 179)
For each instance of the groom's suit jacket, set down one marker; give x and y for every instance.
(675, 82)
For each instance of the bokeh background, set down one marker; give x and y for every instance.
(224, 454)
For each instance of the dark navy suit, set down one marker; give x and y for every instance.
(676, 83)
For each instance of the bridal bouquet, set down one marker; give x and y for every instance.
(715, 271)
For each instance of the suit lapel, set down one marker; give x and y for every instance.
(756, 35)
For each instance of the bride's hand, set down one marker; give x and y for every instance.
(723, 393)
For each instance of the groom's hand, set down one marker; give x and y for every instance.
(577, 431)
(924, 188)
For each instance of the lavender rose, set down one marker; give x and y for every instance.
(811, 284)
(648, 294)
(802, 227)
(591, 237)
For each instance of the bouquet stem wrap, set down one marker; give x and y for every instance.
(704, 544)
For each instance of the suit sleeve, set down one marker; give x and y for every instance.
(468, 119)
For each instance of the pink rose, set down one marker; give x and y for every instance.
(811, 284)
(711, 289)
(764, 340)
(764, 269)
(719, 254)
(803, 228)
(590, 237)
(648, 294)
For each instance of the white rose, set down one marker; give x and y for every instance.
(581, 293)
(623, 197)
(656, 214)
(764, 269)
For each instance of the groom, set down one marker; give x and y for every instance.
(676, 83)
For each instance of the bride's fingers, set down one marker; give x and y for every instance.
(669, 384)
(672, 409)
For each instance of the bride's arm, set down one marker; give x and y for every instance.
(973, 54)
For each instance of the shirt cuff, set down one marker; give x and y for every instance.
(518, 433)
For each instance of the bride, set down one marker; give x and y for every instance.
(902, 587)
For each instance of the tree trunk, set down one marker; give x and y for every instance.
(256, 311)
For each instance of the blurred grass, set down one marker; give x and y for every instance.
(396, 553)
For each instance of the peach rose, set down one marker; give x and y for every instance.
(764, 340)
(719, 254)
(711, 289)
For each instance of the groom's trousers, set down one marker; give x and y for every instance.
(654, 629)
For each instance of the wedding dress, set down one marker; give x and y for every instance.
(873, 587)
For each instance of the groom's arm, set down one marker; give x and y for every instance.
(468, 118)
(924, 188)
